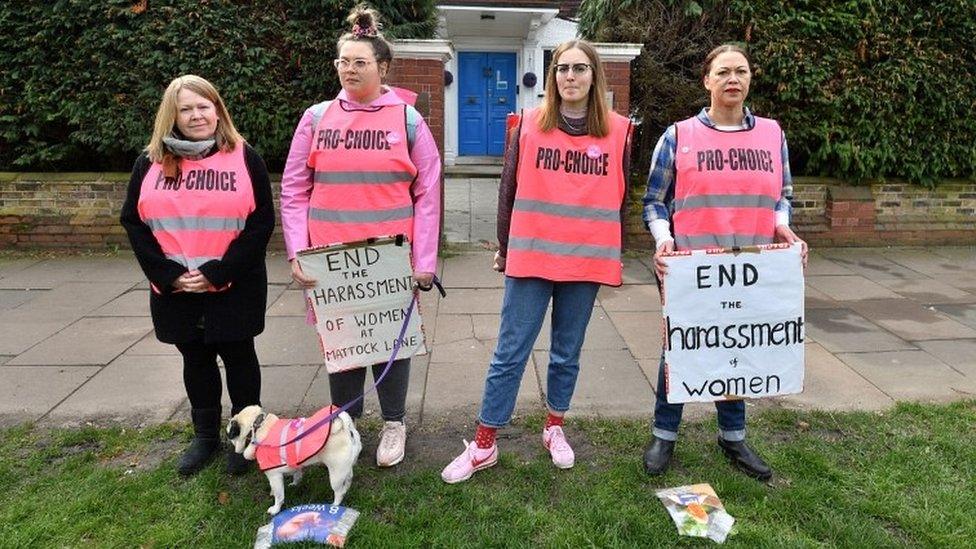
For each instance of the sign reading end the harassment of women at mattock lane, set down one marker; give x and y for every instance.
(733, 323)
(361, 301)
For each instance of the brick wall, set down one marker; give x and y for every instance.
(618, 80)
(81, 210)
(423, 76)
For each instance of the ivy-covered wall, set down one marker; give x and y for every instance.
(80, 80)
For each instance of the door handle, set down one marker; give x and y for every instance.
(472, 100)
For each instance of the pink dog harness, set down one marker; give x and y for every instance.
(273, 452)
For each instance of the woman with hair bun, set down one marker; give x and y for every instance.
(723, 204)
(335, 192)
(199, 215)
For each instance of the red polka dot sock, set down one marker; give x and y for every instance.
(553, 419)
(484, 437)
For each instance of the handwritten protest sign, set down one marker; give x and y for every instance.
(733, 323)
(361, 301)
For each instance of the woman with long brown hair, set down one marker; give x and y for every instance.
(559, 231)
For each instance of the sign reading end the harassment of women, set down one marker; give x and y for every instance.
(360, 302)
(733, 323)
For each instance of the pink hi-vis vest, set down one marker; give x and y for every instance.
(727, 186)
(362, 174)
(566, 216)
(271, 454)
(196, 217)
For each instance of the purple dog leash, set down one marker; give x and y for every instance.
(389, 363)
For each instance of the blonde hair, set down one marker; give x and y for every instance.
(597, 115)
(226, 135)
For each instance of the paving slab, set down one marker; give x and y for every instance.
(287, 341)
(486, 326)
(638, 297)
(959, 353)
(818, 265)
(848, 288)
(843, 330)
(11, 299)
(463, 350)
(451, 328)
(922, 261)
(641, 332)
(460, 385)
(928, 290)
(610, 384)
(911, 321)
(911, 375)
(68, 301)
(457, 227)
(637, 271)
(471, 270)
(965, 314)
(279, 269)
(288, 303)
(10, 267)
(964, 281)
(51, 273)
(477, 300)
(829, 384)
(649, 368)
(963, 256)
(150, 346)
(146, 387)
(283, 388)
(19, 335)
(815, 299)
(869, 263)
(29, 392)
(131, 303)
(89, 341)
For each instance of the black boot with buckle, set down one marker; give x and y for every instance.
(205, 443)
(745, 459)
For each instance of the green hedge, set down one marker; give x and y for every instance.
(864, 88)
(80, 80)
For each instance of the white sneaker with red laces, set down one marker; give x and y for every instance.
(554, 440)
(471, 459)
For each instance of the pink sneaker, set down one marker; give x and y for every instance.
(471, 459)
(554, 440)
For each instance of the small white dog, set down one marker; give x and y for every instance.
(259, 435)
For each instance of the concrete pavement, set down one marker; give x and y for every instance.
(883, 325)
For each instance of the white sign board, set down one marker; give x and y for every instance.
(733, 323)
(361, 301)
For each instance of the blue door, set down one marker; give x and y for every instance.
(486, 94)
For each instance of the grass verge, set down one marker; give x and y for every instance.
(906, 477)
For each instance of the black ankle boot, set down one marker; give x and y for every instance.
(745, 459)
(657, 456)
(205, 443)
(236, 464)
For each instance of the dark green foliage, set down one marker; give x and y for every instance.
(80, 81)
(864, 89)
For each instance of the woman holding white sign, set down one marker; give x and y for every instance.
(364, 165)
(559, 209)
(719, 179)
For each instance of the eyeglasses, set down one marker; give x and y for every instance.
(579, 69)
(355, 64)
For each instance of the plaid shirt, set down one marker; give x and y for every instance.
(659, 197)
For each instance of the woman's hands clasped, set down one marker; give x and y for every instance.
(192, 282)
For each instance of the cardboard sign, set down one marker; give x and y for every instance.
(733, 323)
(361, 301)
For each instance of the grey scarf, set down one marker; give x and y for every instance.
(191, 150)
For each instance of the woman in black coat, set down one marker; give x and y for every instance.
(199, 215)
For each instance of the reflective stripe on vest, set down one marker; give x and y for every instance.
(727, 184)
(566, 216)
(195, 218)
(362, 174)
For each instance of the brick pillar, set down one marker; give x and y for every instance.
(618, 80)
(418, 65)
(850, 214)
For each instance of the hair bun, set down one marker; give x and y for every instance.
(365, 22)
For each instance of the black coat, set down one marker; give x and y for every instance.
(231, 315)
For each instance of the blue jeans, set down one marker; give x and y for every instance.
(523, 310)
(667, 417)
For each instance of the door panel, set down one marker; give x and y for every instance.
(486, 94)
